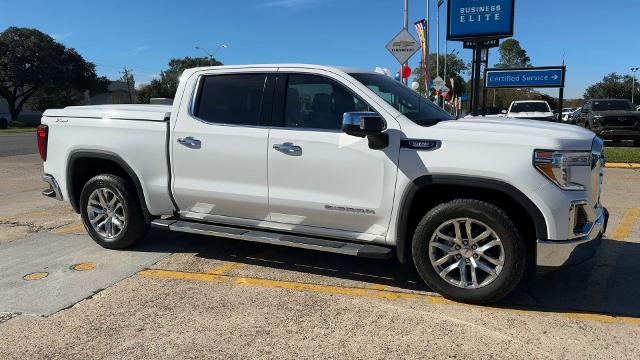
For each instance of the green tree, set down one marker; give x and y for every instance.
(167, 85)
(512, 55)
(33, 63)
(613, 86)
(455, 69)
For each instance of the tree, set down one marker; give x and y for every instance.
(455, 69)
(32, 63)
(167, 85)
(512, 55)
(612, 86)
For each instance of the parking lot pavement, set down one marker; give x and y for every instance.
(225, 298)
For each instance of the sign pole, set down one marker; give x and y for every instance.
(476, 82)
(406, 27)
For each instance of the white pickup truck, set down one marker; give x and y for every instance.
(338, 160)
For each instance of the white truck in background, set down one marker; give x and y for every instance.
(338, 160)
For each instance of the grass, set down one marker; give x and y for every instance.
(16, 130)
(622, 154)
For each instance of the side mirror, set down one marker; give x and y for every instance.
(363, 124)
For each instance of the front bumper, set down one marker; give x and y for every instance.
(556, 254)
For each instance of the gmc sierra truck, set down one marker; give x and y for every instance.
(337, 160)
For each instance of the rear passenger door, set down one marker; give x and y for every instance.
(321, 180)
(219, 148)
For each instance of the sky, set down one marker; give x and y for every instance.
(595, 37)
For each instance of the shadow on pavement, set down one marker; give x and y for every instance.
(605, 284)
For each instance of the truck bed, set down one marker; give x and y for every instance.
(136, 135)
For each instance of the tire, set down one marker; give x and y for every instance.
(4, 123)
(483, 217)
(126, 212)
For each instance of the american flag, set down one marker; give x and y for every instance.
(421, 29)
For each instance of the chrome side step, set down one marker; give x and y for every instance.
(282, 239)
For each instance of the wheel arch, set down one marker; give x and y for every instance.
(425, 192)
(79, 171)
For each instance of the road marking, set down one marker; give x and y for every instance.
(371, 293)
(623, 165)
(625, 227)
(86, 266)
(225, 268)
(35, 276)
(69, 229)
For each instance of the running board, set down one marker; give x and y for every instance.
(282, 239)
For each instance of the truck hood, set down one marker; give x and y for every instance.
(536, 134)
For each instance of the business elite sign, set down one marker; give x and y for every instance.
(477, 19)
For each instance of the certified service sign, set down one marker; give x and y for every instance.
(476, 19)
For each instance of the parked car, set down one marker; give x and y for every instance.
(4, 121)
(531, 110)
(338, 160)
(611, 119)
(573, 116)
(566, 113)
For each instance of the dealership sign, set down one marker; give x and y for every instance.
(549, 77)
(477, 19)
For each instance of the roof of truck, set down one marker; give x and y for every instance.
(128, 112)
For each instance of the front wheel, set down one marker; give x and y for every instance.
(469, 251)
(111, 212)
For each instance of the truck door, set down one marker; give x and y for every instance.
(219, 145)
(319, 177)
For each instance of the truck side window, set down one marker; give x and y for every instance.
(316, 102)
(230, 99)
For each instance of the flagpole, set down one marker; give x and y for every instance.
(427, 35)
(406, 27)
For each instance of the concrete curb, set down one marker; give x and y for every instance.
(623, 165)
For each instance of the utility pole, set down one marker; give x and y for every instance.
(633, 85)
(438, 39)
(126, 74)
(406, 27)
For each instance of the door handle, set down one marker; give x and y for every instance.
(288, 148)
(189, 141)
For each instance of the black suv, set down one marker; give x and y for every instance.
(611, 119)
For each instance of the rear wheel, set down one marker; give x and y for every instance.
(469, 251)
(111, 212)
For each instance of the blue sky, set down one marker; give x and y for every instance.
(144, 35)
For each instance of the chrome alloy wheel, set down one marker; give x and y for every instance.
(106, 213)
(466, 253)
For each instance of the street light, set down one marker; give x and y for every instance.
(210, 55)
(633, 85)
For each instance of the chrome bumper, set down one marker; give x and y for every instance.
(54, 189)
(556, 254)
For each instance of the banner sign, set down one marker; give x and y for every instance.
(541, 77)
(476, 19)
(422, 28)
(485, 44)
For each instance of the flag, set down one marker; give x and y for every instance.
(421, 29)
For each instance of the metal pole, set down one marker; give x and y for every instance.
(476, 85)
(438, 42)
(427, 35)
(560, 104)
(406, 26)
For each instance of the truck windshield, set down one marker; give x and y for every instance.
(408, 102)
(530, 107)
(607, 105)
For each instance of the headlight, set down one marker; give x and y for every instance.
(556, 165)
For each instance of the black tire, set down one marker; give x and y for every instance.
(494, 217)
(4, 123)
(135, 227)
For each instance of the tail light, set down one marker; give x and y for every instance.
(42, 132)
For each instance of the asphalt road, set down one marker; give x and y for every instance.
(18, 144)
(180, 296)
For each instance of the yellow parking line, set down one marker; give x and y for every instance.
(69, 229)
(623, 165)
(624, 229)
(225, 268)
(369, 293)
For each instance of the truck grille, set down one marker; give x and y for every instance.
(621, 121)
